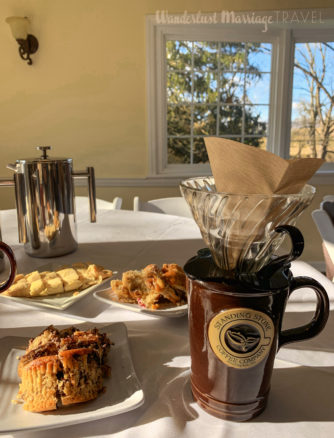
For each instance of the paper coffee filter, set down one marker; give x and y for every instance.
(251, 193)
(243, 169)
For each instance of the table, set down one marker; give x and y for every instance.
(302, 393)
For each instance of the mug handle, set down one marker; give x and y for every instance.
(9, 253)
(319, 319)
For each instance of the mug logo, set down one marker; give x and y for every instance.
(241, 338)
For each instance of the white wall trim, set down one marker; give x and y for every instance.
(134, 182)
(323, 177)
(174, 181)
(150, 100)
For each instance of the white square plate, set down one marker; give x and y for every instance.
(123, 391)
(55, 302)
(171, 312)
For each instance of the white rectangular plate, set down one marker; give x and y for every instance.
(171, 312)
(123, 391)
(55, 302)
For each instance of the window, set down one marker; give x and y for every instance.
(312, 117)
(215, 88)
(238, 82)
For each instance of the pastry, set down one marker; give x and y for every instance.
(152, 287)
(61, 368)
(77, 277)
(53, 283)
(19, 288)
(70, 279)
(36, 283)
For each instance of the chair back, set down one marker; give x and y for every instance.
(324, 220)
(82, 202)
(175, 205)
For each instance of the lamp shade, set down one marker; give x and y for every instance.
(19, 27)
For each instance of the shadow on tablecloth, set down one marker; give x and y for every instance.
(160, 352)
(300, 394)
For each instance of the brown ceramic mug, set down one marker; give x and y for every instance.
(9, 253)
(235, 332)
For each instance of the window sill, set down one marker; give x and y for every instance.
(323, 177)
(163, 180)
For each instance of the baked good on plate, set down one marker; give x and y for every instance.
(152, 287)
(74, 278)
(61, 368)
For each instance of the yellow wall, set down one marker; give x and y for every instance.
(85, 93)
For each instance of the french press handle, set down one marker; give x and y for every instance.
(90, 175)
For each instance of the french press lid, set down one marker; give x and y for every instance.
(44, 158)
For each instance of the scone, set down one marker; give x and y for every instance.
(61, 368)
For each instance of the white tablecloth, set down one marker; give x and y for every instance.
(302, 392)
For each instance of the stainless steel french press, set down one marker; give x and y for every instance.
(44, 192)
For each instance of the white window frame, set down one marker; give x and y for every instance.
(281, 36)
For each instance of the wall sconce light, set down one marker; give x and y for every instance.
(28, 44)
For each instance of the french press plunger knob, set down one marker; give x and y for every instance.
(44, 149)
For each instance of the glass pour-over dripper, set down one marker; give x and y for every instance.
(239, 229)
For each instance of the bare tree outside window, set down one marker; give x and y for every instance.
(312, 124)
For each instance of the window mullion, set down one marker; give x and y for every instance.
(281, 95)
(192, 106)
(244, 97)
(218, 88)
